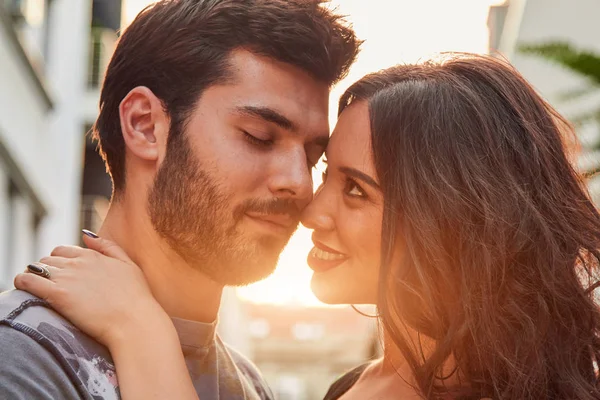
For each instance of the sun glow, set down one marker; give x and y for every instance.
(395, 31)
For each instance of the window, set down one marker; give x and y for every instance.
(30, 19)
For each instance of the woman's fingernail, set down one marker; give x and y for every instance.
(90, 234)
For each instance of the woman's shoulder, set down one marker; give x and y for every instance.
(344, 383)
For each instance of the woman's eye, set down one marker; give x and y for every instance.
(256, 141)
(352, 189)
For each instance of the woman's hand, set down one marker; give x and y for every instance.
(99, 289)
(105, 294)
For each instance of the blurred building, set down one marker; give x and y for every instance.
(43, 48)
(53, 182)
(302, 351)
(519, 22)
(96, 186)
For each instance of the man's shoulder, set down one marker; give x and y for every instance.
(33, 316)
(12, 300)
(28, 313)
(250, 371)
(85, 360)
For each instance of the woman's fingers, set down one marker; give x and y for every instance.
(54, 272)
(36, 285)
(58, 262)
(106, 247)
(68, 251)
(94, 243)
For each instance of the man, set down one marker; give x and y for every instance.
(212, 114)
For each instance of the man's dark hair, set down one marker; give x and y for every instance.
(178, 48)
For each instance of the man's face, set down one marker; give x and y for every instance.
(229, 192)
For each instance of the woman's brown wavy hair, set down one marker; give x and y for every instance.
(500, 236)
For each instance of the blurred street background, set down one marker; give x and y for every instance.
(53, 55)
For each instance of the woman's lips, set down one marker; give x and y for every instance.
(322, 258)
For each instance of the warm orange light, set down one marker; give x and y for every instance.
(395, 31)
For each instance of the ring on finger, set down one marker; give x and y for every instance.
(39, 269)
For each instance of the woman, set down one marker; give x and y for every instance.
(450, 203)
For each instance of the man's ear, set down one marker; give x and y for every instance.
(144, 124)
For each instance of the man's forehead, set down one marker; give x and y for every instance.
(259, 74)
(260, 87)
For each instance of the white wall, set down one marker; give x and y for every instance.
(539, 21)
(22, 114)
(5, 277)
(575, 22)
(41, 133)
(69, 27)
(23, 236)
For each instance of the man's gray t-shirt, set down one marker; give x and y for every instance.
(43, 357)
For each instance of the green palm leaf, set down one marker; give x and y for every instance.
(583, 62)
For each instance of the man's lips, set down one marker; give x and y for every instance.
(285, 221)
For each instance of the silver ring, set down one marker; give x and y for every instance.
(40, 269)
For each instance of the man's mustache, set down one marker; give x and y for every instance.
(273, 206)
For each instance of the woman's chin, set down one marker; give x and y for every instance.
(338, 293)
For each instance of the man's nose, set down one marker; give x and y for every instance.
(291, 178)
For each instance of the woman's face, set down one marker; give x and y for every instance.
(346, 216)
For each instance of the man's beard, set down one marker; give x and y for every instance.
(190, 211)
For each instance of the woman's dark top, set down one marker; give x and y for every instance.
(344, 384)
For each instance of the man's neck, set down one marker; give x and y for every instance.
(183, 291)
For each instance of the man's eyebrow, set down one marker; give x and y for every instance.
(269, 115)
(360, 175)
